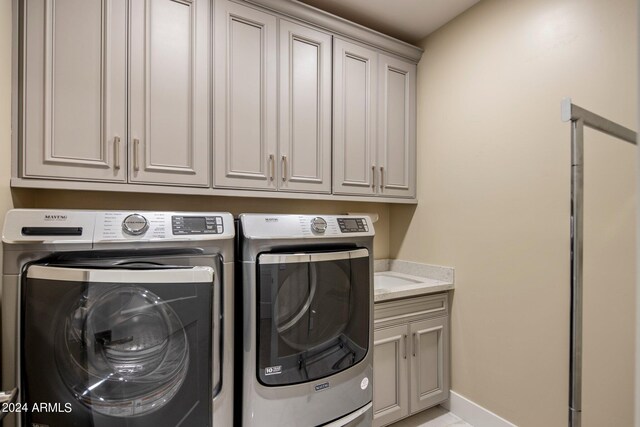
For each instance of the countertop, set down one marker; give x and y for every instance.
(395, 279)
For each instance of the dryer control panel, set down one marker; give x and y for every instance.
(261, 226)
(353, 225)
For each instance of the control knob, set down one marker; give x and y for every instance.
(319, 225)
(135, 224)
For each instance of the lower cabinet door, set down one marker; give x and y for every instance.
(429, 363)
(390, 376)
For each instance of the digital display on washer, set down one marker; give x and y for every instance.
(353, 225)
(197, 225)
(194, 222)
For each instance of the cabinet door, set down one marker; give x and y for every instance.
(305, 109)
(245, 97)
(397, 127)
(354, 118)
(74, 89)
(429, 363)
(169, 129)
(390, 376)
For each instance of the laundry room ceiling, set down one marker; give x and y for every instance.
(408, 20)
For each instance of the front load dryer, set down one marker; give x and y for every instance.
(118, 318)
(307, 344)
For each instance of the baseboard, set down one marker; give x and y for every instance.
(473, 413)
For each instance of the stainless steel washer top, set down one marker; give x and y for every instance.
(123, 318)
(307, 287)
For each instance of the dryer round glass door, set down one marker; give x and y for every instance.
(297, 319)
(313, 314)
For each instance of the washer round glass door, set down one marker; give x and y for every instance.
(132, 346)
(123, 351)
(313, 314)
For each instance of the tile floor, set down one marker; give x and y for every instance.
(434, 417)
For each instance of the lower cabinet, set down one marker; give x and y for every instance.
(411, 357)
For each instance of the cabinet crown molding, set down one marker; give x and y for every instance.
(340, 26)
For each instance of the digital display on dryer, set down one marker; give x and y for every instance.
(353, 225)
(350, 223)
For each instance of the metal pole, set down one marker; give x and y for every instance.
(579, 118)
(577, 188)
(570, 111)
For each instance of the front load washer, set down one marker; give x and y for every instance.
(118, 318)
(307, 308)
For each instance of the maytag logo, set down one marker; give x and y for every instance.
(271, 220)
(48, 217)
(323, 386)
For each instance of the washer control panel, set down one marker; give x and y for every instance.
(96, 227)
(353, 225)
(190, 224)
(135, 225)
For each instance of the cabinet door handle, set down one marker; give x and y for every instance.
(271, 167)
(136, 154)
(416, 343)
(373, 177)
(116, 152)
(381, 178)
(405, 345)
(284, 168)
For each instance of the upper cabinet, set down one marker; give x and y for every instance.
(396, 127)
(76, 121)
(169, 92)
(245, 97)
(374, 123)
(252, 149)
(305, 109)
(355, 70)
(223, 96)
(74, 111)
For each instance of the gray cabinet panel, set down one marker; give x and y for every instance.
(170, 47)
(429, 363)
(354, 118)
(74, 89)
(390, 375)
(421, 325)
(414, 308)
(245, 97)
(397, 127)
(128, 91)
(305, 109)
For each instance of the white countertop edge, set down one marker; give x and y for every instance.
(430, 271)
(431, 278)
(381, 295)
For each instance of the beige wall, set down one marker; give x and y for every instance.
(493, 185)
